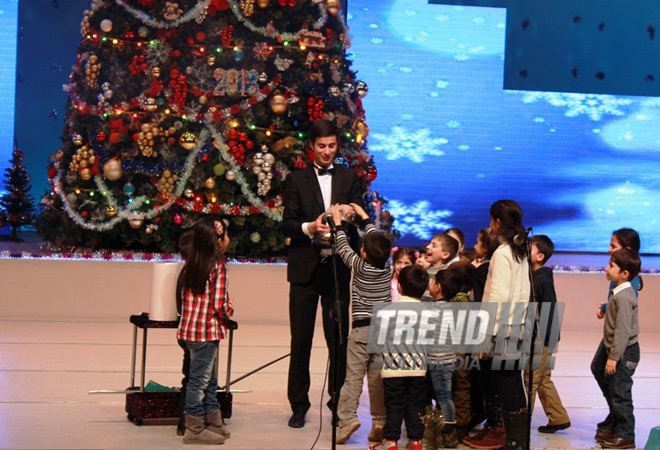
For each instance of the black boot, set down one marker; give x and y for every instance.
(515, 424)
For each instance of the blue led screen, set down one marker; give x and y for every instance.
(449, 140)
(8, 31)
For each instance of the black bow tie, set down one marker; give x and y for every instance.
(329, 171)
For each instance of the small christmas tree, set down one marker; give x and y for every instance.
(16, 205)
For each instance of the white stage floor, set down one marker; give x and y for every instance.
(48, 367)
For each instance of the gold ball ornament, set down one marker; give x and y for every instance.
(188, 140)
(155, 72)
(263, 3)
(278, 104)
(135, 220)
(150, 104)
(333, 6)
(85, 174)
(110, 211)
(209, 183)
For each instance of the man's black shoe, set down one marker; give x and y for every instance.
(297, 420)
(552, 428)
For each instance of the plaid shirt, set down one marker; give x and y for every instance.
(203, 316)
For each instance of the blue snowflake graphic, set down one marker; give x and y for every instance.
(414, 145)
(418, 219)
(594, 106)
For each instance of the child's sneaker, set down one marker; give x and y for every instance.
(488, 438)
(385, 444)
(415, 444)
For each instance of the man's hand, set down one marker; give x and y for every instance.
(359, 211)
(599, 312)
(610, 367)
(318, 226)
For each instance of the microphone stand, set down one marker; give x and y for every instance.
(338, 337)
(530, 400)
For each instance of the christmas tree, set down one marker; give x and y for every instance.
(179, 109)
(16, 206)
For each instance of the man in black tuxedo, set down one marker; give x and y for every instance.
(308, 193)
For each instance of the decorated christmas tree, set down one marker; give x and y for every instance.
(180, 109)
(16, 206)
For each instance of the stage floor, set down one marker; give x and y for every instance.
(48, 367)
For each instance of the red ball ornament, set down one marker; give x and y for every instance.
(191, 40)
(52, 172)
(84, 214)
(174, 74)
(200, 36)
(205, 157)
(178, 219)
(101, 136)
(114, 138)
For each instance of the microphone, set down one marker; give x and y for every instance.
(520, 238)
(330, 220)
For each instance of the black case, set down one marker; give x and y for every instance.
(141, 405)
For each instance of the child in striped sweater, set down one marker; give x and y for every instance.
(371, 284)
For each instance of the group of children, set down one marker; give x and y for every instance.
(440, 272)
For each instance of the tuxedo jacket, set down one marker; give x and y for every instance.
(303, 202)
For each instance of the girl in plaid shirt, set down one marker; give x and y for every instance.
(205, 307)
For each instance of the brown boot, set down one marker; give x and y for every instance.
(214, 422)
(197, 434)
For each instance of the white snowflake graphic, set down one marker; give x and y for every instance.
(158, 52)
(407, 117)
(391, 93)
(478, 20)
(441, 18)
(405, 69)
(464, 147)
(376, 41)
(453, 124)
(594, 106)
(414, 145)
(418, 219)
(441, 84)
(461, 57)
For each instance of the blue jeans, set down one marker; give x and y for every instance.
(203, 379)
(617, 388)
(441, 375)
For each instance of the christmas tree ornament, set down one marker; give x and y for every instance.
(334, 91)
(167, 182)
(77, 139)
(136, 220)
(333, 6)
(256, 169)
(111, 211)
(129, 189)
(361, 88)
(92, 72)
(155, 72)
(284, 146)
(112, 170)
(188, 193)
(238, 54)
(177, 219)
(278, 103)
(247, 6)
(258, 158)
(360, 130)
(143, 32)
(210, 60)
(263, 4)
(85, 173)
(269, 158)
(171, 11)
(209, 183)
(230, 175)
(150, 104)
(219, 170)
(188, 140)
(106, 25)
(263, 77)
